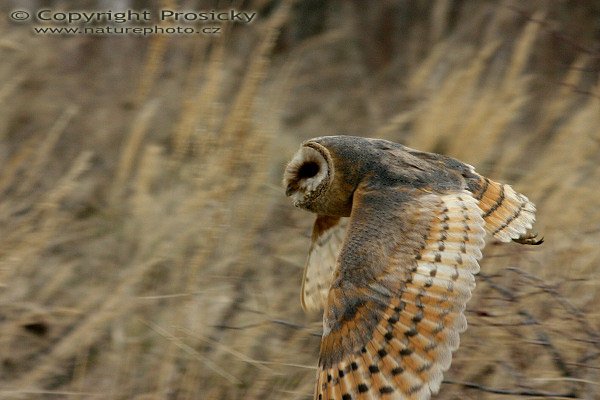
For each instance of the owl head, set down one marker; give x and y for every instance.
(319, 179)
(308, 175)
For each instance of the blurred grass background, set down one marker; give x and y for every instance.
(147, 250)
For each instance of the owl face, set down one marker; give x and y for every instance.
(325, 172)
(308, 176)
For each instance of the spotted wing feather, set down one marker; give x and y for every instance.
(507, 213)
(395, 308)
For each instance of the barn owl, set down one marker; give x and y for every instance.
(395, 248)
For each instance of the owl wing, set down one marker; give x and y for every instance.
(508, 215)
(395, 308)
(327, 237)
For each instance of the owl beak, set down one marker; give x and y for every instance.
(289, 190)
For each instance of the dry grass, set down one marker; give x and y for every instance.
(147, 250)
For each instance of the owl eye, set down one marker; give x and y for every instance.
(308, 170)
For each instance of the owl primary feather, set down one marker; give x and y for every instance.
(393, 256)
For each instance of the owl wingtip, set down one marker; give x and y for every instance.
(530, 239)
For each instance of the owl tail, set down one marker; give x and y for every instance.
(508, 215)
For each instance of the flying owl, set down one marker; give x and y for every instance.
(393, 257)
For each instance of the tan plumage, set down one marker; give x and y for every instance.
(327, 237)
(393, 257)
(507, 214)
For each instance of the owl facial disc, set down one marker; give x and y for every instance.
(305, 176)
